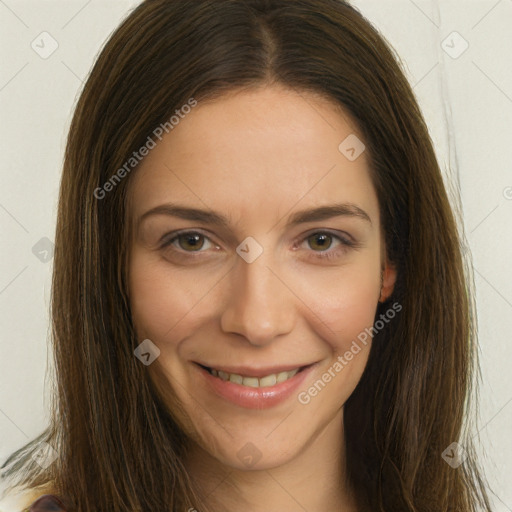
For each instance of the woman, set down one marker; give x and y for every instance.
(259, 298)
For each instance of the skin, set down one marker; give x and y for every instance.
(257, 157)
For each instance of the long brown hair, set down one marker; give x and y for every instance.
(118, 446)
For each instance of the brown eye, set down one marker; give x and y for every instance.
(188, 245)
(190, 241)
(327, 246)
(320, 241)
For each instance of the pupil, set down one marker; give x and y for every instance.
(322, 241)
(193, 242)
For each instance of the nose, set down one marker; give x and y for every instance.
(260, 306)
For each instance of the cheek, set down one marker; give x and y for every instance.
(164, 300)
(344, 312)
(151, 307)
(343, 301)
(353, 310)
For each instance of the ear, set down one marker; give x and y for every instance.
(388, 278)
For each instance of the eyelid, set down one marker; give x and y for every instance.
(340, 235)
(169, 238)
(346, 243)
(345, 239)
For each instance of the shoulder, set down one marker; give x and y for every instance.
(47, 503)
(22, 500)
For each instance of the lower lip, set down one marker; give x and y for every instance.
(255, 398)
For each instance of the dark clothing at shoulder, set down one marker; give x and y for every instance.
(47, 503)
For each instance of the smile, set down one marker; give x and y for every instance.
(254, 382)
(254, 388)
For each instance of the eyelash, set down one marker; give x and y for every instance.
(328, 254)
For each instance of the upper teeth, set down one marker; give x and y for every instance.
(255, 382)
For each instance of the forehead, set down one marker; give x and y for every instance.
(257, 152)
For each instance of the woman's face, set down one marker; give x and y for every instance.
(257, 251)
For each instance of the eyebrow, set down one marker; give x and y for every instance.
(217, 219)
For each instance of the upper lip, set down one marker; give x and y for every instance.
(251, 371)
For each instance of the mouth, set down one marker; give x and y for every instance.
(254, 388)
(255, 378)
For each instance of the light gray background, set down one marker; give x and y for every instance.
(467, 103)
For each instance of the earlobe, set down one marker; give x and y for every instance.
(388, 278)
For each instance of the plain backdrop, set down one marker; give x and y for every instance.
(457, 56)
